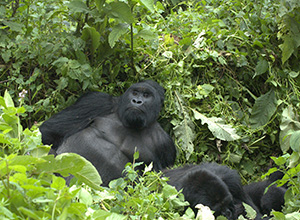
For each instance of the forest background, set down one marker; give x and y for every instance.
(230, 70)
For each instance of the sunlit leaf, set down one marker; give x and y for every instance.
(149, 5)
(289, 124)
(218, 128)
(295, 141)
(78, 6)
(121, 11)
(8, 100)
(116, 33)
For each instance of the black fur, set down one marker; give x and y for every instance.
(273, 199)
(106, 130)
(213, 185)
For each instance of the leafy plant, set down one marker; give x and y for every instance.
(29, 188)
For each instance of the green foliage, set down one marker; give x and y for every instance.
(263, 109)
(232, 64)
(147, 195)
(29, 188)
(289, 28)
(289, 127)
(289, 165)
(218, 128)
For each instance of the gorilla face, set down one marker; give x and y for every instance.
(204, 187)
(139, 106)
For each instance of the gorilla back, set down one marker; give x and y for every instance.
(108, 137)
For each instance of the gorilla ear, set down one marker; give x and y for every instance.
(158, 88)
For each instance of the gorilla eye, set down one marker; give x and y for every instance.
(146, 94)
(134, 92)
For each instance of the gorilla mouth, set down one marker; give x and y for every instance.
(135, 118)
(135, 109)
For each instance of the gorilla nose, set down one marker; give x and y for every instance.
(137, 102)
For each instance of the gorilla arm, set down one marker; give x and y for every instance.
(76, 117)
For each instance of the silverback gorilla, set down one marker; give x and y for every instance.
(106, 130)
(213, 185)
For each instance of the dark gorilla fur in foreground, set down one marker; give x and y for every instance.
(273, 199)
(213, 185)
(106, 130)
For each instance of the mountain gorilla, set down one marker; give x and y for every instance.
(106, 130)
(213, 185)
(273, 199)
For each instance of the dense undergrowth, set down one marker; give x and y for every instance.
(231, 74)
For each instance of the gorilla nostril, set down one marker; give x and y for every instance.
(137, 102)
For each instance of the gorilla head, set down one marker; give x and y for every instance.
(211, 191)
(140, 105)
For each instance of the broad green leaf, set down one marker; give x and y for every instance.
(278, 215)
(287, 48)
(8, 100)
(295, 141)
(263, 109)
(62, 83)
(291, 40)
(217, 127)
(58, 182)
(101, 214)
(279, 161)
(104, 215)
(88, 174)
(235, 158)
(168, 191)
(85, 197)
(289, 124)
(2, 102)
(78, 6)
(29, 213)
(116, 33)
(184, 133)
(147, 34)
(6, 213)
(121, 11)
(6, 55)
(261, 67)
(90, 33)
(149, 4)
(13, 161)
(293, 160)
(292, 216)
(203, 90)
(63, 163)
(136, 155)
(71, 163)
(251, 213)
(14, 26)
(99, 4)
